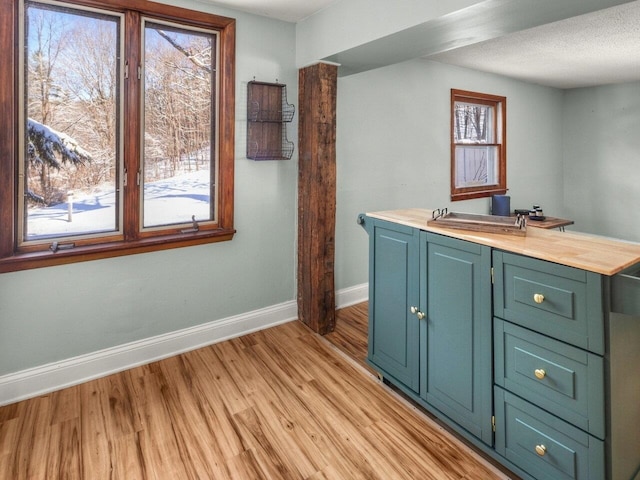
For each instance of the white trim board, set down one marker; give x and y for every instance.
(352, 295)
(73, 371)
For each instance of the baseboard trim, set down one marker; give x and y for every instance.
(352, 295)
(54, 376)
(43, 379)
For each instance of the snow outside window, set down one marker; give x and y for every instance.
(119, 132)
(71, 133)
(178, 142)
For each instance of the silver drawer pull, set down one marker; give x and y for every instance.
(540, 373)
(541, 450)
(538, 297)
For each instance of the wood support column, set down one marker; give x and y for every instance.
(317, 196)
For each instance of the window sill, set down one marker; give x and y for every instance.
(27, 261)
(477, 194)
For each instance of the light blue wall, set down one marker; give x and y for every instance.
(393, 138)
(575, 152)
(393, 148)
(601, 156)
(50, 314)
(392, 152)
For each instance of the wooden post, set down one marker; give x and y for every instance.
(317, 196)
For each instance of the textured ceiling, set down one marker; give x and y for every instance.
(597, 48)
(593, 49)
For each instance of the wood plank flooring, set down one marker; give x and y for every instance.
(282, 403)
(350, 334)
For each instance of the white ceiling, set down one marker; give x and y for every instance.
(597, 48)
(287, 10)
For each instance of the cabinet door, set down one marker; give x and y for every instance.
(393, 290)
(457, 360)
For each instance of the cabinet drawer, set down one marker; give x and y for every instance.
(543, 445)
(564, 380)
(559, 301)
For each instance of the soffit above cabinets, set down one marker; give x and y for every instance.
(558, 43)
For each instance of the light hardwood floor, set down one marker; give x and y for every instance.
(282, 403)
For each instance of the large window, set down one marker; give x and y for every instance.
(478, 145)
(117, 129)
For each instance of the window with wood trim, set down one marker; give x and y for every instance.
(478, 145)
(117, 131)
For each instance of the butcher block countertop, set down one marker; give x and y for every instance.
(588, 252)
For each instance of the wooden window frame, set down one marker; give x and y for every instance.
(500, 128)
(132, 240)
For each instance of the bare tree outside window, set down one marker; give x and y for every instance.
(179, 82)
(119, 131)
(71, 93)
(72, 134)
(478, 138)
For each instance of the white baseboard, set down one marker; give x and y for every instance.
(352, 295)
(55, 376)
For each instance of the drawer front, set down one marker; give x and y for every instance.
(558, 301)
(544, 446)
(564, 380)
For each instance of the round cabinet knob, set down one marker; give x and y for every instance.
(541, 450)
(414, 310)
(421, 316)
(538, 297)
(539, 373)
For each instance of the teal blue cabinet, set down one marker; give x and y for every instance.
(559, 301)
(566, 356)
(393, 290)
(544, 446)
(430, 321)
(456, 294)
(561, 379)
(533, 362)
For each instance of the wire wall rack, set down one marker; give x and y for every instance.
(268, 113)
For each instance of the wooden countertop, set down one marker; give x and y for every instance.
(550, 222)
(588, 252)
